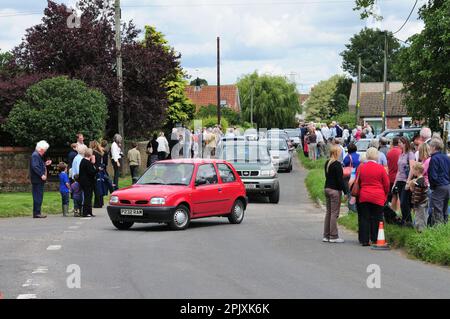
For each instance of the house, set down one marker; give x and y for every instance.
(207, 94)
(372, 105)
(302, 98)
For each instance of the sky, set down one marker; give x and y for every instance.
(299, 39)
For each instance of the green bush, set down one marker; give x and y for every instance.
(211, 122)
(55, 110)
(232, 117)
(346, 118)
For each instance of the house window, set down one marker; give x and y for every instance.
(406, 122)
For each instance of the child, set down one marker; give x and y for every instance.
(77, 196)
(419, 188)
(64, 188)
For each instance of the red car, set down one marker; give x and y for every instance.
(176, 191)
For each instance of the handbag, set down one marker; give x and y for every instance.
(356, 187)
(347, 171)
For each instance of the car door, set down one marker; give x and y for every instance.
(230, 186)
(206, 196)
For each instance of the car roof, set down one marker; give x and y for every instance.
(191, 161)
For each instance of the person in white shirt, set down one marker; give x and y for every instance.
(81, 149)
(325, 132)
(116, 155)
(163, 146)
(320, 143)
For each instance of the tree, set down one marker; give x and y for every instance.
(199, 82)
(424, 66)
(88, 53)
(232, 117)
(181, 109)
(367, 9)
(368, 44)
(56, 110)
(328, 99)
(5, 60)
(275, 100)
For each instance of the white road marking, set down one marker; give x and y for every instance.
(74, 227)
(27, 296)
(40, 270)
(54, 247)
(86, 218)
(29, 283)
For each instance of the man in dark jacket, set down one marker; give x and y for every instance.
(38, 176)
(439, 178)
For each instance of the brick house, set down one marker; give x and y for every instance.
(207, 94)
(372, 104)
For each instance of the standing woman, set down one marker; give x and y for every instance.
(163, 146)
(424, 158)
(100, 190)
(405, 162)
(152, 150)
(116, 155)
(311, 139)
(87, 176)
(374, 190)
(334, 185)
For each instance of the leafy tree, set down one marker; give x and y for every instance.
(369, 45)
(55, 110)
(181, 109)
(367, 9)
(275, 100)
(346, 118)
(328, 99)
(5, 60)
(233, 117)
(424, 66)
(88, 53)
(211, 121)
(199, 82)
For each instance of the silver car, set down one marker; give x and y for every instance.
(281, 154)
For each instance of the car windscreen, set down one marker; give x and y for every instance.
(277, 134)
(167, 174)
(245, 153)
(277, 145)
(293, 133)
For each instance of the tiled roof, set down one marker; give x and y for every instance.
(302, 98)
(372, 104)
(207, 95)
(373, 87)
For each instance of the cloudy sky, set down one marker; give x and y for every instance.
(300, 39)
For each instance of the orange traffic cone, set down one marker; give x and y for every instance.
(381, 242)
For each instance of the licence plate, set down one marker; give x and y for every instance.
(250, 186)
(132, 212)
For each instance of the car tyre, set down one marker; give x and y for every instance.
(274, 197)
(289, 168)
(181, 218)
(237, 212)
(121, 225)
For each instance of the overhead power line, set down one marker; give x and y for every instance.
(407, 19)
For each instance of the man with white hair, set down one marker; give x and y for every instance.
(38, 176)
(425, 137)
(81, 149)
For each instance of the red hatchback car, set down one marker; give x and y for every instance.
(177, 191)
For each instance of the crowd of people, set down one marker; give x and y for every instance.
(385, 183)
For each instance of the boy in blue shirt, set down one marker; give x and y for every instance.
(64, 188)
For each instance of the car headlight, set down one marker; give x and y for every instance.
(158, 201)
(114, 199)
(269, 173)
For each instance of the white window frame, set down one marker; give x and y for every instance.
(406, 119)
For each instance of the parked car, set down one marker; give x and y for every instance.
(280, 153)
(253, 163)
(276, 133)
(253, 134)
(178, 191)
(362, 145)
(409, 133)
(294, 136)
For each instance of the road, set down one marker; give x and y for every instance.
(275, 253)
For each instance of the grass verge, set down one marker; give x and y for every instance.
(432, 245)
(21, 204)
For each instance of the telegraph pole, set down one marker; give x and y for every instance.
(218, 80)
(117, 16)
(251, 104)
(385, 80)
(358, 91)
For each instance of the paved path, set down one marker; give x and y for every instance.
(275, 253)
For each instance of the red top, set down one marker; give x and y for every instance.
(392, 159)
(374, 184)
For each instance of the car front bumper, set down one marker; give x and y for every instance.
(160, 214)
(264, 186)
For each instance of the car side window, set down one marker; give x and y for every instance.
(226, 174)
(207, 173)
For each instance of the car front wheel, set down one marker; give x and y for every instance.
(181, 218)
(121, 225)
(237, 212)
(274, 197)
